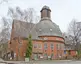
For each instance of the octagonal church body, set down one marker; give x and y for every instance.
(47, 38)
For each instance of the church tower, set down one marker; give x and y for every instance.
(45, 12)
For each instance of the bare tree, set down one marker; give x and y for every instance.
(2, 1)
(15, 13)
(5, 32)
(74, 32)
(28, 15)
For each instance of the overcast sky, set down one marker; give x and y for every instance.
(62, 11)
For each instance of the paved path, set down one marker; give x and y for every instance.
(63, 62)
(45, 62)
(59, 62)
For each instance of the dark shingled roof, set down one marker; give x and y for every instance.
(48, 28)
(44, 28)
(46, 7)
(21, 28)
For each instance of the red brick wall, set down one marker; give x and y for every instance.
(56, 51)
(40, 50)
(14, 46)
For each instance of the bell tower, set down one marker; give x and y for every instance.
(45, 12)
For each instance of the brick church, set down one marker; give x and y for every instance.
(47, 39)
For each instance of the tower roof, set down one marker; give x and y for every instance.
(45, 7)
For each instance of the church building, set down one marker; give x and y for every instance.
(47, 39)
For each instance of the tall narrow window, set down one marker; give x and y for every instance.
(60, 46)
(45, 46)
(48, 13)
(57, 47)
(35, 45)
(40, 46)
(52, 46)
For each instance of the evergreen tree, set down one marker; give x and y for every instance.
(29, 47)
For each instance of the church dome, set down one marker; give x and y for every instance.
(47, 28)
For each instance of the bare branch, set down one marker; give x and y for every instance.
(2, 1)
(75, 32)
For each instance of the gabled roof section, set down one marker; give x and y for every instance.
(21, 28)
